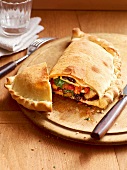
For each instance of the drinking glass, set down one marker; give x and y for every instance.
(15, 16)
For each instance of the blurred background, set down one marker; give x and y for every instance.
(81, 4)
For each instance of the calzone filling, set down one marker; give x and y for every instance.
(88, 71)
(68, 87)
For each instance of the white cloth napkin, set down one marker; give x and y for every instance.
(13, 44)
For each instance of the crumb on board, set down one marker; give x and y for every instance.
(77, 133)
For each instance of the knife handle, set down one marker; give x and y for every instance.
(7, 68)
(107, 121)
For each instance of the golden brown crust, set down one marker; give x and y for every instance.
(31, 88)
(92, 61)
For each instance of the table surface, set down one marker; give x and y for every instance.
(23, 145)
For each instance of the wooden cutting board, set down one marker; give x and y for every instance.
(68, 119)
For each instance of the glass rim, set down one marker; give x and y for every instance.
(15, 3)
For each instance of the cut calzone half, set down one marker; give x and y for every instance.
(88, 71)
(31, 88)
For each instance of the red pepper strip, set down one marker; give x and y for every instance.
(68, 86)
(77, 90)
(87, 89)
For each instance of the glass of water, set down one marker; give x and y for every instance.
(15, 16)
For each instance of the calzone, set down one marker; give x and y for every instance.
(31, 88)
(88, 71)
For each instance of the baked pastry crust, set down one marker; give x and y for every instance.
(31, 88)
(92, 62)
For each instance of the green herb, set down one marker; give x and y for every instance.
(58, 82)
(68, 91)
(88, 118)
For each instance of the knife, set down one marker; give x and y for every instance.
(108, 120)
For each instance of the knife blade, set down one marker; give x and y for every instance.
(108, 120)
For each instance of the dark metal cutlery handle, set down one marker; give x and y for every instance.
(7, 68)
(108, 120)
(11, 66)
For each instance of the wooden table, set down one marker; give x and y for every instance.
(24, 146)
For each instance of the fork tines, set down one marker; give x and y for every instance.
(40, 41)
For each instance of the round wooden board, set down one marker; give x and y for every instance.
(69, 119)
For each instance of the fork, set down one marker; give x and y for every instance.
(33, 46)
